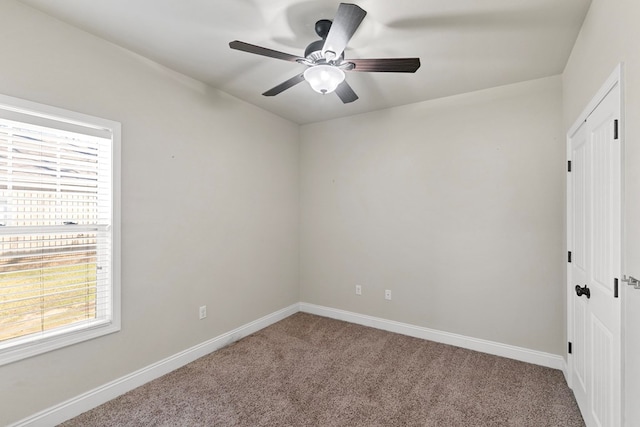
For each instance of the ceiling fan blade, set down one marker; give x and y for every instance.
(386, 65)
(345, 92)
(285, 85)
(259, 50)
(345, 24)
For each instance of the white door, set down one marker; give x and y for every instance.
(595, 243)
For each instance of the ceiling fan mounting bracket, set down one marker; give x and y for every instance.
(322, 28)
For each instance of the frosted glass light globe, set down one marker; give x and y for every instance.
(324, 78)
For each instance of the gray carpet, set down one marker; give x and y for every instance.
(312, 371)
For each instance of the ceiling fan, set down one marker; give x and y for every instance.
(325, 58)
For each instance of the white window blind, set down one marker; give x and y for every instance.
(56, 231)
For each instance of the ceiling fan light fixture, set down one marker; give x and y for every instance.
(324, 78)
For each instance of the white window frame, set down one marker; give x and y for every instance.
(72, 335)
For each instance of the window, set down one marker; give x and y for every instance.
(59, 228)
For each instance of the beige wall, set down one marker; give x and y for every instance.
(209, 205)
(456, 205)
(610, 35)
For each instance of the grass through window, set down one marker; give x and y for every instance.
(47, 297)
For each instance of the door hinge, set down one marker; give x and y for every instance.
(615, 287)
(569, 257)
(615, 129)
(569, 166)
(569, 349)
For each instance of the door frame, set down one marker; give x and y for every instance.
(616, 78)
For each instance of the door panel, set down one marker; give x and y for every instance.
(599, 126)
(580, 359)
(579, 256)
(579, 273)
(602, 384)
(595, 241)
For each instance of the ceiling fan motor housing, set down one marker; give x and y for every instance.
(313, 52)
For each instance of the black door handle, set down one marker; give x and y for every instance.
(583, 291)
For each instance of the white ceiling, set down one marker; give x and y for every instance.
(463, 45)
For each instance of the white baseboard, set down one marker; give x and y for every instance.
(91, 399)
(86, 401)
(490, 347)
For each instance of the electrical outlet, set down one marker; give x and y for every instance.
(358, 290)
(203, 312)
(387, 294)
